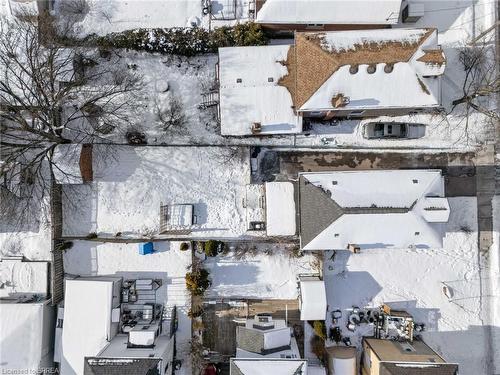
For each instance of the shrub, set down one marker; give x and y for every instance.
(320, 328)
(184, 246)
(91, 235)
(318, 348)
(212, 247)
(197, 281)
(135, 137)
(182, 41)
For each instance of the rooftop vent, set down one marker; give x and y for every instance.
(256, 127)
(388, 68)
(239, 80)
(372, 68)
(270, 79)
(415, 181)
(340, 100)
(353, 69)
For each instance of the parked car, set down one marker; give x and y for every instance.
(388, 130)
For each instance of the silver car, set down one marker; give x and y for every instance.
(393, 130)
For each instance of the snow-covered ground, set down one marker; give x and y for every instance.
(167, 263)
(413, 280)
(271, 274)
(130, 186)
(102, 17)
(30, 238)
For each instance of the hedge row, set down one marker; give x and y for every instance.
(183, 41)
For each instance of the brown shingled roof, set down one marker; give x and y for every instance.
(310, 64)
(433, 56)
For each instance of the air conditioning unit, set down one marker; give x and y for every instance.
(263, 322)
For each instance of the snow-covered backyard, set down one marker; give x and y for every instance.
(167, 263)
(263, 274)
(131, 184)
(413, 280)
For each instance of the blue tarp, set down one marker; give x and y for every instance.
(146, 248)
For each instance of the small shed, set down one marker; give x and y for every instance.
(312, 299)
(177, 218)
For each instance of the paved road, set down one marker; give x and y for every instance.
(459, 168)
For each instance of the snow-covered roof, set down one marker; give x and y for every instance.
(312, 299)
(87, 325)
(386, 208)
(280, 209)
(268, 366)
(374, 12)
(389, 68)
(21, 330)
(250, 93)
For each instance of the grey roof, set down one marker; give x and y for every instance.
(249, 340)
(318, 210)
(436, 369)
(121, 366)
(252, 340)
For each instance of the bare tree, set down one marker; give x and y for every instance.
(49, 96)
(172, 115)
(481, 84)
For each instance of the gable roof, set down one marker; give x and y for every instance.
(121, 366)
(249, 91)
(372, 209)
(319, 68)
(367, 12)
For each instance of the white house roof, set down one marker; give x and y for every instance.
(280, 209)
(411, 83)
(372, 209)
(21, 331)
(312, 300)
(87, 321)
(249, 91)
(379, 12)
(270, 366)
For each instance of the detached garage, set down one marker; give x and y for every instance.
(312, 299)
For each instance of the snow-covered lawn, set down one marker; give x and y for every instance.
(259, 275)
(413, 279)
(167, 263)
(130, 186)
(106, 16)
(30, 238)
